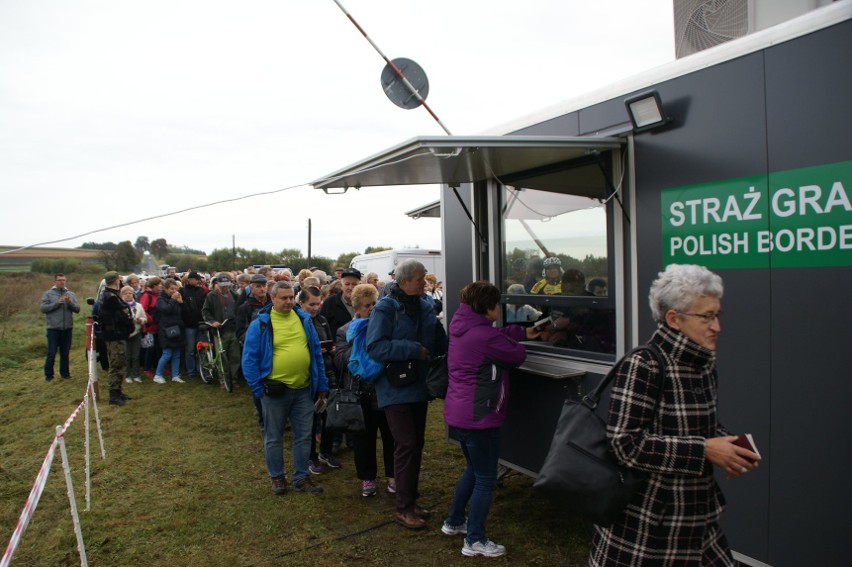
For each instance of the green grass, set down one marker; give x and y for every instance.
(184, 482)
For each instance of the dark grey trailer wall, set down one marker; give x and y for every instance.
(783, 362)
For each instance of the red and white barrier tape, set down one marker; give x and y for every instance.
(30, 506)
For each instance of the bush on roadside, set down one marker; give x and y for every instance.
(56, 265)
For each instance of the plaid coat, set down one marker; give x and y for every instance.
(673, 519)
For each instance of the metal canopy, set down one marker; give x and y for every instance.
(432, 210)
(463, 159)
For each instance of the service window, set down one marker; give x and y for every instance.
(557, 268)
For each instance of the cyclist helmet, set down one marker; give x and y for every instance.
(551, 262)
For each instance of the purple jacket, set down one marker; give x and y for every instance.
(478, 391)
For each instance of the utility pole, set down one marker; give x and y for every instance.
(309, 243)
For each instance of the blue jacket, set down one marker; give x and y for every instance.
(392, 335)
(257, 353)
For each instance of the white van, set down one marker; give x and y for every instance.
(387, 260)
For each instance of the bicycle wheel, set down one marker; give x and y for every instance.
(205, 365)
(224, 369)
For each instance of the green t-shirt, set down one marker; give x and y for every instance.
(291, 360)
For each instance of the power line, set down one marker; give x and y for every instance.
(164, 215)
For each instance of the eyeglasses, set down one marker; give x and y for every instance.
(707, 318)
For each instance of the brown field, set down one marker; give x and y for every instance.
(31, 254)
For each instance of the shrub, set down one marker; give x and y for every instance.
(56, 265)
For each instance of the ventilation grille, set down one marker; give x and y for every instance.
(700, 24)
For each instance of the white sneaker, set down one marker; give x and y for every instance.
(450, 529)
(159, 380)
(137, 379)
(485, 548)
(178, 379)
(129, 380)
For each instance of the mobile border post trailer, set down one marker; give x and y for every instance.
(751, 178)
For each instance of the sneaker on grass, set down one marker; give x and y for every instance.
(450, 529)
(159, 379)
(129, 380)
(178, 379)
(306, 485)
(485, 548)
(316, 468)
(137, 379)
(368, 488)
(329, 460)
(392, 486)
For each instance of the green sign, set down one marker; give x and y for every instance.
(796, 218)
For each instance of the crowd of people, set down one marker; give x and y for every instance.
(292, 342)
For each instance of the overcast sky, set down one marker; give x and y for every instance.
(114, 111)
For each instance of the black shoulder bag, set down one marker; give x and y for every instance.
(579, 467)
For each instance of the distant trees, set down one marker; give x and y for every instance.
(159, 247)
(371, 249)
(345, 259)
(99, 246)
(142, 244)
(126, 257)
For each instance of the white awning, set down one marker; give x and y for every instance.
(463, 159)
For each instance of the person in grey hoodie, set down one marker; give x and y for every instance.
(58, 305)
(478, 363)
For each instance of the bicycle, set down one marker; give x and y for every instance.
(212, 358)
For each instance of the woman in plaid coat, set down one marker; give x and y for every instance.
(673, 519)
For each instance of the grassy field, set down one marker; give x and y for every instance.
(184, 481)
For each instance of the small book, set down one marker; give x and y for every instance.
(746, 441)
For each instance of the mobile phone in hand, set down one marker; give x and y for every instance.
(320, 405)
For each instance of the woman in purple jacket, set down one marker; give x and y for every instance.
(478, 360)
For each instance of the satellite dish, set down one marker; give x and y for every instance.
(395, 88)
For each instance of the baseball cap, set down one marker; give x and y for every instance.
(194, 275)
(258, 278)
(351, 272)
(223, 279)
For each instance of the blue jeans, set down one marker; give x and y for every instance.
(172, 354)
(58, 340)
(190, 335)
(299, 408)
(481, 448)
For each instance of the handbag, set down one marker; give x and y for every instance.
(579, 467)
(172, 332)
(343, 412)
(438, 377)
(401, 373)
(147, 340)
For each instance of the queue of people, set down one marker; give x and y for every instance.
(285, 333)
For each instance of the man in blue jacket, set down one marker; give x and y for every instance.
(283, 365)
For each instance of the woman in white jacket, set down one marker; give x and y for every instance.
(134, 342)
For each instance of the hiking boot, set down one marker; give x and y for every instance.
(124, 396)
(329, 460)
(48, 378)
(115, 399)
(409, 520)
(305, 485)
(458, 529)
(159, 379)
(392, 486)
(279, 485)
(178, 379)
(316, 468)
(368, 488)
(485, 548)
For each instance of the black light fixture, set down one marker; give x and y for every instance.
(646, 111)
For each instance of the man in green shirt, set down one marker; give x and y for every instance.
(283, 365)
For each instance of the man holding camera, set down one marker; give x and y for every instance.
(58, 305)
